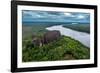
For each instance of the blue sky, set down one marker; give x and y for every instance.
(51, 16)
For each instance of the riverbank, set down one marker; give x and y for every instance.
(82, 37)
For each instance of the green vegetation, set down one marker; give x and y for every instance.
(39, 29)
(79, 27)
(65, 48)
(36, 29)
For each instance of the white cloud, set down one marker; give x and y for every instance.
(33, 14)
(28, 12)
(38, 16)
(80, 16)
(68, 14)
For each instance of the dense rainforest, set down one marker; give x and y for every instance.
(65, 48)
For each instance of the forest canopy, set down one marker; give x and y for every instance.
(65, 48)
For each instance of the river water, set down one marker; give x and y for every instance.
(82, 37)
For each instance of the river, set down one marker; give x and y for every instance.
(82, 37)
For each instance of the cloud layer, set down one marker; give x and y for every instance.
(51, 16)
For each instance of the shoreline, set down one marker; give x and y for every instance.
(82, 37)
